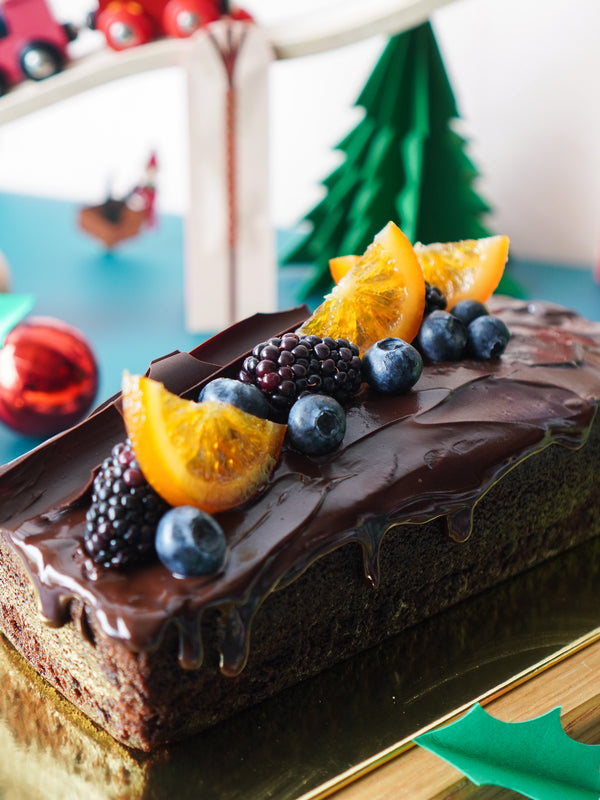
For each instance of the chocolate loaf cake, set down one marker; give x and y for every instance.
(481, 471)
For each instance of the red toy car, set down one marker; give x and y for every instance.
(127, 23)
(32, 43)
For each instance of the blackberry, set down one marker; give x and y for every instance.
(124, 513)
(287, 367)
(435, 299)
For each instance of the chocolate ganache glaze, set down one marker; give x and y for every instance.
(433, 452)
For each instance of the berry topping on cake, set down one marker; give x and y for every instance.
(190, 542)
(317, 424)
(382, 295)
(442, 337)
(216, 454)
(210, 455)
(487, 337)
(122, 518)
(392, 366)
(241, 395)
(286, 367)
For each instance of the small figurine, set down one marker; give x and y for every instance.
(32, 43)
(115, 220)
(127, 24)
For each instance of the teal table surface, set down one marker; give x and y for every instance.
(129, 302)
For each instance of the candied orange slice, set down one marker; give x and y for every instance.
(210, 455)
(471, 268)
(383, 294)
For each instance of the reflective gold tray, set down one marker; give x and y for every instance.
(322, 734)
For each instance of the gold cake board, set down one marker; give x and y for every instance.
(569, 678)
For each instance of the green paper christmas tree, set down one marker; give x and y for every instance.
(403, 161)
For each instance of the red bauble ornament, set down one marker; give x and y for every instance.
(48, 377)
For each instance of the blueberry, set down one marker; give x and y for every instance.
(468, 310)
(392, 366)
(487, 338)
(442, 337)
(316, 424)
(190, 542)
(242, 395)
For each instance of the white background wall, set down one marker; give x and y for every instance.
(526, 78)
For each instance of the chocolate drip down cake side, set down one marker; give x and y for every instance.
(475, 470)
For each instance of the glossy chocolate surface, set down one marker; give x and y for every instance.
(432, 452)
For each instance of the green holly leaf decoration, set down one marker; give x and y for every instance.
(13, 307)
(536, 758)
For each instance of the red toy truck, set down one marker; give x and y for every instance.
(127, 23)
(32, 43)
